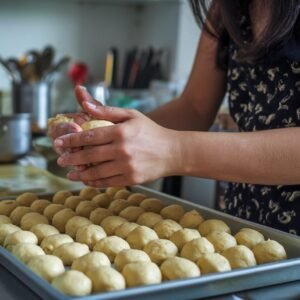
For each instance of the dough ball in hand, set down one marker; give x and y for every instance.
(46, 266)
(92, 124)
(141, 273)
(106, 279)
(239, 257)
(24, 252)
(128, 256)
(213, 262)
(73, 283)
(90, 260)
(178, 268)
(269, 251)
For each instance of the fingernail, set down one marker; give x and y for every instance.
(58, 143)
(83, 88)
(90, 105)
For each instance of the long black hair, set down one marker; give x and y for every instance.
(222, 19)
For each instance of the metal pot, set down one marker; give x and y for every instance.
(15, 136)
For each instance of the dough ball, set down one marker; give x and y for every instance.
(61, 218)
(191, 219)
(92, 124)
(141, 273)
(59, 119)
(84, 208)
(178, 268)
(109, 224)
(43, 230)
(111, 246)
(124, 229)
(39, 205)
(46, 266)
(90, 234)
(221, 240)
(160, 250)
(102, 200)
(5, 230)
(211, 225)
(117, 206)
(7, 206)
(88, 193)
(65, 283)
(249, 237)
(26, 199)
(51, 242)
(106, 279)
(149, 219)
(111, 191)
(140, 237)
(269, 251)
(122, 194)
(68, 252)
(131, 213)
(166, 228)
(73, 201)
(18, 213)
(74, 224)
(135, 199)
(19, 237)
(213, 262)
(152, 205)
(24, 252)
(31, 219)
(51, 210)
(174, 212)
(5, 220)
(240, 257)
(90, 260)
(61, 196)
(99, 214)
(130, 256)
(182, 236)
(195, 248)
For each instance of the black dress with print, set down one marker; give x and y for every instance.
(264, 96)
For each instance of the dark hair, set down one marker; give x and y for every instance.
(222, 20)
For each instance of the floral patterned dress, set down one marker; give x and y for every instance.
(265, 96)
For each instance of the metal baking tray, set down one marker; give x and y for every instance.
(199, 287)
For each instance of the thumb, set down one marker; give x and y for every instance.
(82, 95)
(108, 113)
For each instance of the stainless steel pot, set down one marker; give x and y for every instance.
(15, 136)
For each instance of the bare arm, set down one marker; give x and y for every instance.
(197, 107)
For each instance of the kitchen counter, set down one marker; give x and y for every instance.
(12, 289)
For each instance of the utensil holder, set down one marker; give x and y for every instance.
(34, 99)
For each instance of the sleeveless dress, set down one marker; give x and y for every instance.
(263, 96)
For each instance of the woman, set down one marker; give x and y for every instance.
(248, 49)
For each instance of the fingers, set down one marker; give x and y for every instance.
(98, 172)
(82, 95)
(113, 114)
(98, 136)
(87, 156)
(79, 118)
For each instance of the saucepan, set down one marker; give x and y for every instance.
(15, 136)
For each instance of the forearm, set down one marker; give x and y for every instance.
(268, 157)
(180, 115)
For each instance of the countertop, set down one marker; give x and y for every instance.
(12, 289)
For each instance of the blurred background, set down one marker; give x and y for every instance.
(129, 53)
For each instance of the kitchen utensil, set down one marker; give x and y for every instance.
(46, 59)
(33, 99)
(14, 66)
(48, 75)
(15, 136)
(8, 70)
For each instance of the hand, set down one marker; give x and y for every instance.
(60, 129)
(133, 151)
